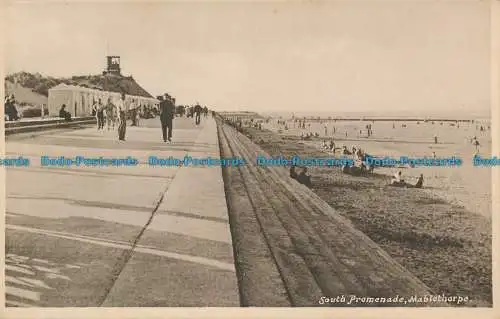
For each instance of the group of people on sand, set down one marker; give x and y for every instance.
(308, 136)
(358, 156)
(360, 165)
(398, 181)
(239, 123)
(329, 146)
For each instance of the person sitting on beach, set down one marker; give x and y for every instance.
(346, 169)
(397, 180)
(359, 154)
(420, 181)
(345, 151)
(64, 114)
(324, 145)
(293, 173)
(303, 178)
(364, 159)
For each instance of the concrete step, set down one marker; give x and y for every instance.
(316, 251)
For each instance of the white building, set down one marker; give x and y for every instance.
(79, 100)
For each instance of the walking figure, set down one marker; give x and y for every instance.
(197, 111)
(122, 128)
(167, 113)
(99, 111)
(111, 114)
(476, 144)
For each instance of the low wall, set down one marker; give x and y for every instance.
(45, 124)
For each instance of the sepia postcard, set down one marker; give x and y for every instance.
(221, 159)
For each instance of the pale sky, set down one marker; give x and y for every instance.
(326, 57)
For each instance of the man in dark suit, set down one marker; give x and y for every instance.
(197, 111)
(167, 113)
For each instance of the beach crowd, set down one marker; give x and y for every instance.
(361, 163)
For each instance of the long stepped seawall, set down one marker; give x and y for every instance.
(291, 248)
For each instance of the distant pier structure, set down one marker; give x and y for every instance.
(376, 119)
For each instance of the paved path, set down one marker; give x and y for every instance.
(77, 236)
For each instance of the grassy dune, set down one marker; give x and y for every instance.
(444, 245)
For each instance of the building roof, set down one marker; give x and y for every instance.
(110, 83)
(130, 90)
(120, 84)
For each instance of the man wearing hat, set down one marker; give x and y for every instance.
(122, 107)
(197, 111)
(167, 113)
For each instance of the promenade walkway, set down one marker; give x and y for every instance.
(118, 236)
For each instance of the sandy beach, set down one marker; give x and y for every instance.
(466, 186)
(441, 233)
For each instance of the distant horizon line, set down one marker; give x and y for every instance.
(369, 114)
(407, 113)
